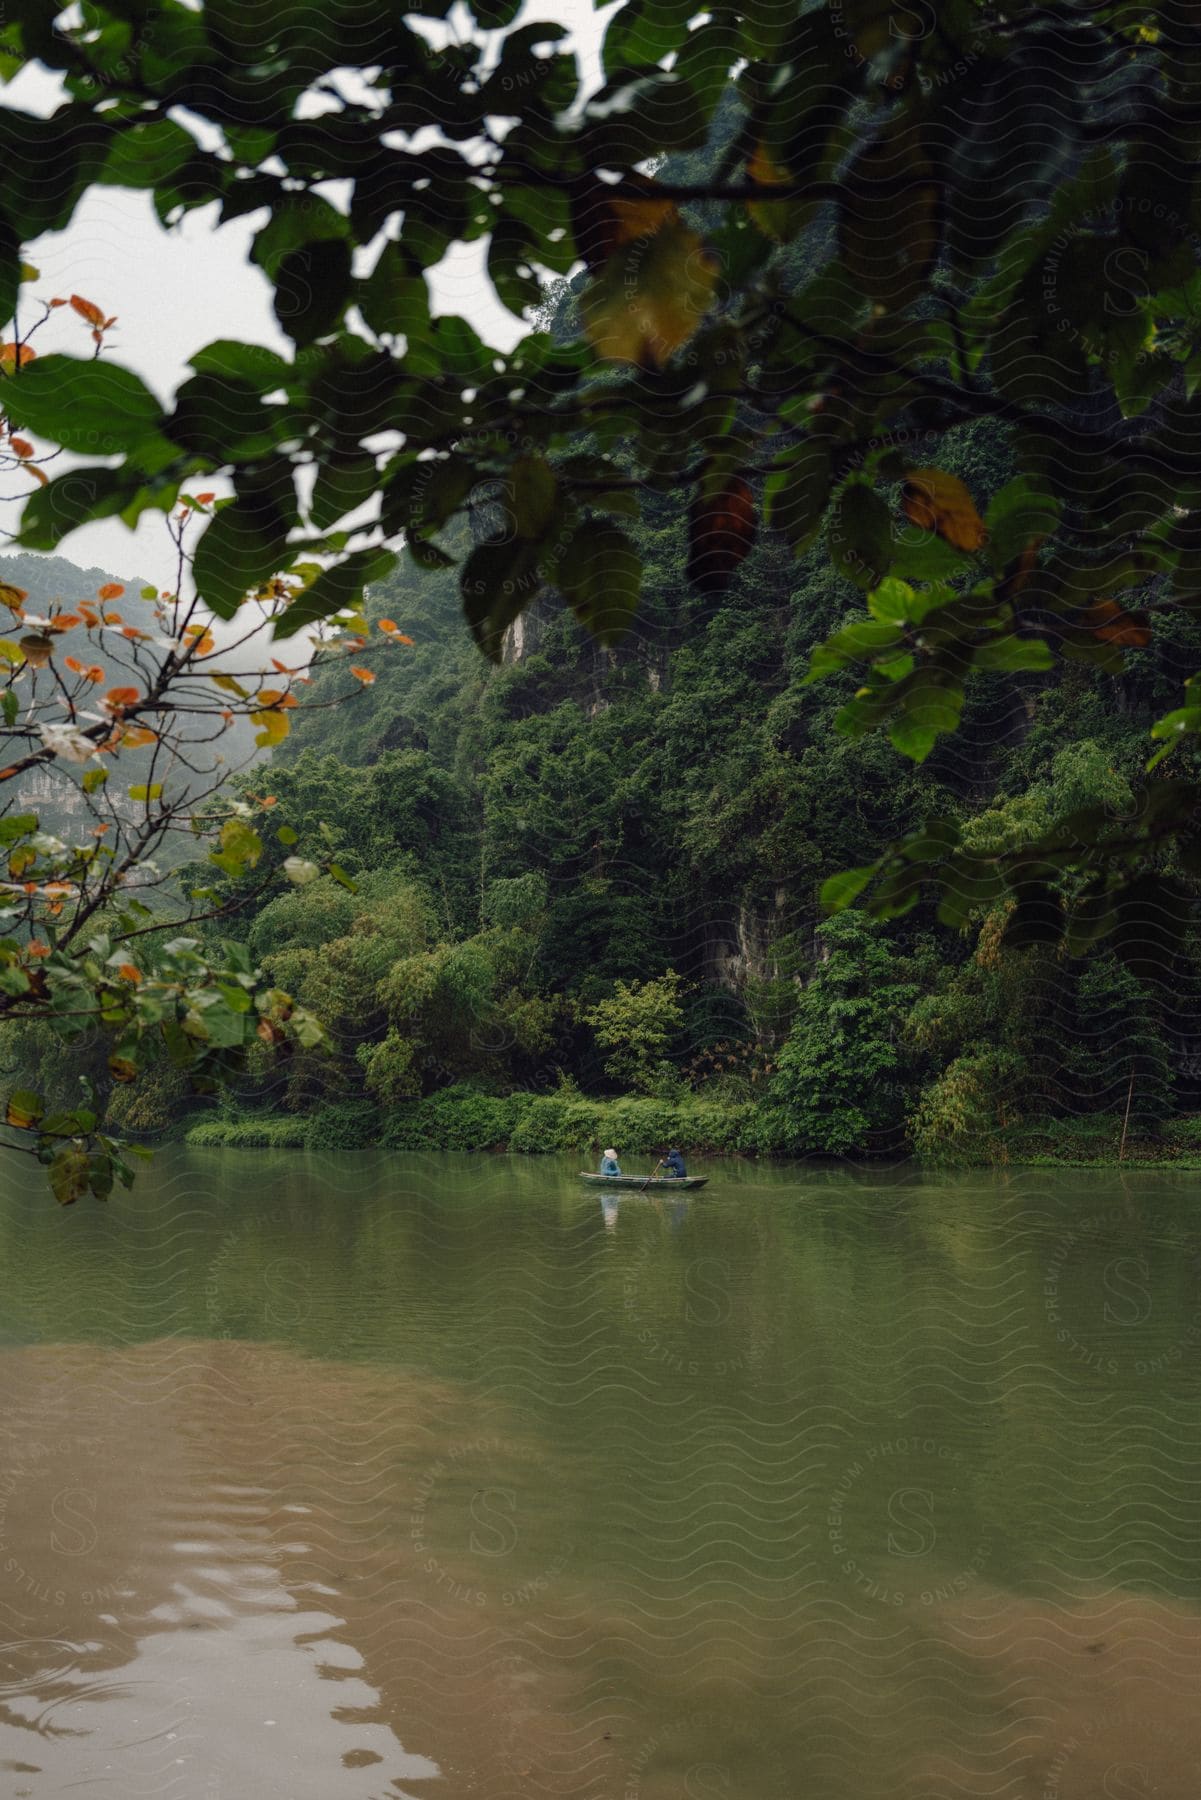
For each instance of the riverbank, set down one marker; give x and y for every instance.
(466, 1120)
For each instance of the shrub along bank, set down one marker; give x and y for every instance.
(464, 1119)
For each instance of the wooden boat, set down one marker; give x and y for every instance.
(673, 1182)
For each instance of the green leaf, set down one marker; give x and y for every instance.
(839, 890)
(95, 407)
(71, 500)
(100, 1175)
(1017, 516)
(241, 847)
(25, 1108)
(534, 491)
(706, 58)
(600, 572)
(221, 418)
(263, 369)
(892, 602)
(69, 1176)
(244, 544)
(860, 535)
(797, 494)
(312, 289)
(335, 589)
(493, 15)
(10, 269)
(497, 583)
(343, 483)
(147, 156)
(142, 790)
(1013, 653)
(859, 642)
(286, 835)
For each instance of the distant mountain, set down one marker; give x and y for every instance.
(53, 791)
(47, 578)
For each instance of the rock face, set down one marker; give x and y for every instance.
(745, 948)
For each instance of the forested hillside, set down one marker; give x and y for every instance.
(591, 873)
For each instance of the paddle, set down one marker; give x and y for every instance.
(651, 1176)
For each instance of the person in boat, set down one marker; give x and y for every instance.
(610, 1164)
(673, 1164)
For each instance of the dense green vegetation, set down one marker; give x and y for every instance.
(586, 908)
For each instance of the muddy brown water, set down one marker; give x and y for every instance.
(344, 1478)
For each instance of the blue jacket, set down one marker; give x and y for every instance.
(609, 1167)
(675, 1163)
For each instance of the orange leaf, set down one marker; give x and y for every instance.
(721, 532)
(21, 446)
(64, 622)
(1111, 622)
(939, 502)
(134, 736)
(112, 618)
(37, 948)
(14, 355)
(205, 499)
(119, 698)
(12, 597)
(131, 631)
(94, 672)
(128, 972)
(73, 663)
(87, 309)
(650, 296)
(778, 219)
(366, 676)
(604, 216)
(402, 639)
(112, 590)
(1021, 569)
(387, 624)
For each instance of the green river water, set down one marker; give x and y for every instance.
(344, 1477)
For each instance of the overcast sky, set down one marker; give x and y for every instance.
(175, 291)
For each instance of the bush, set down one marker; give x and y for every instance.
(267, 1131)
(456, 1118)
(344, 1125)
(555, 1122)
(965, 1117)
(638, 1127)
(635, 1027)
(463, 1118)
(839, 1084)
(1184, 1133)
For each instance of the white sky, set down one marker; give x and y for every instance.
(175, 291)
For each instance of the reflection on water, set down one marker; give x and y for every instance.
(346, 1478)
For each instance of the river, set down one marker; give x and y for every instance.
(365, 1476)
